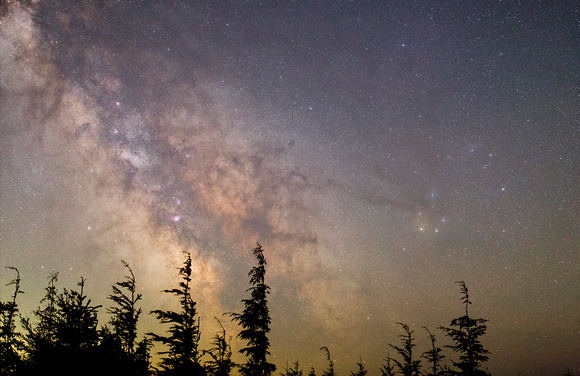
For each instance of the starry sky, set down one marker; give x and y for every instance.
(379, 151)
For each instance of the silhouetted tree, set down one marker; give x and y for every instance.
(361, 369)
(111, 351)
(117, 343)
(184, 334)
(77, 321)
(125, 315)
(465, 333)
(312, 372)
(295, 370)
(41, 339)
(221, 363)
(409, 366)
(389, 368)
(10, 341)
(114, 360)
(77, 333)
(66, 339)
(330, 370)
(255, 322)
(433, 356)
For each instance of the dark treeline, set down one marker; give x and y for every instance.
(63, 337)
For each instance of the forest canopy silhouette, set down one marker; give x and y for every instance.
(64, 337)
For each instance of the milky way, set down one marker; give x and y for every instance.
(378, 151)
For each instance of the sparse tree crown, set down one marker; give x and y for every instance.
(330, 370)
(221, 363)
(125, 315)
(408, 366)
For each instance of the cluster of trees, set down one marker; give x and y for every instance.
(65, 339)
(465, 333)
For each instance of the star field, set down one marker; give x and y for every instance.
(379, 151)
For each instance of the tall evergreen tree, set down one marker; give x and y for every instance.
(465, 333)
(255, 322)
(433, 356)
(10, 341)
(330, 370)
(118, 343)
(221, 363)
(409, 366)
(182, 357)
(125, 315)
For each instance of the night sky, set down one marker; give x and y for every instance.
(379, 152)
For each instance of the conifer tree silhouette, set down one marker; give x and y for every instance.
(409, 366)
(118, 343)
(361, 369)
(388, 369)
(465, 333)
(184, 334)
(221, 363)
(255, 322)
(75, 345)
(125, 315)
(77, 321)
(10, 341)
(330, 370)
(433, 356)
(41, 339)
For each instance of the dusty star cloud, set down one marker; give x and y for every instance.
(378, 152)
